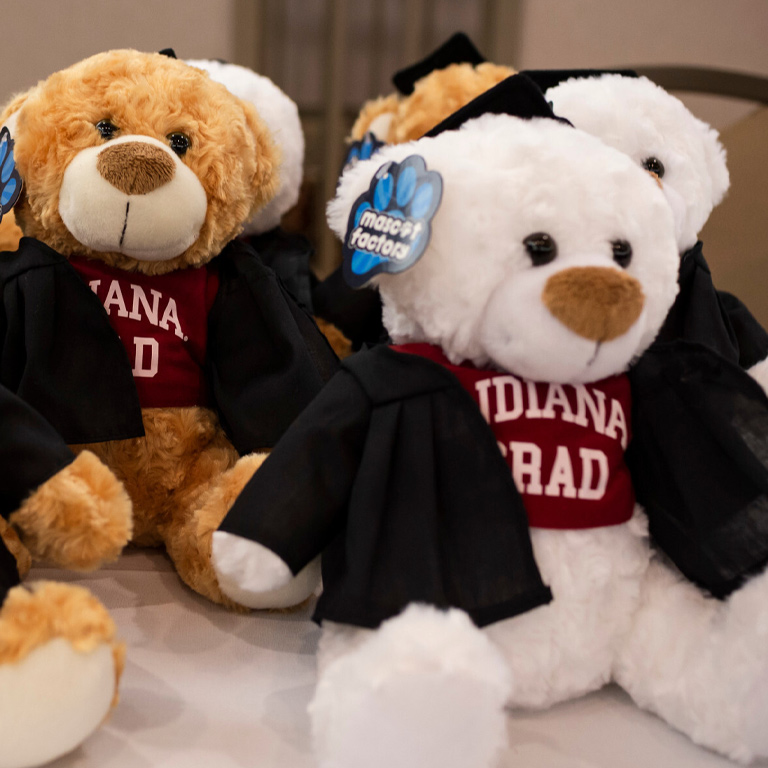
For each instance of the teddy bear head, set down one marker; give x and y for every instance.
(395, 119)
(658, 132)
(548, 254)
(138, 160)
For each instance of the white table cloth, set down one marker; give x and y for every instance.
(206, 688)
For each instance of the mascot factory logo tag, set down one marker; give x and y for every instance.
(361, 150)
(10, 181)
(389, 225)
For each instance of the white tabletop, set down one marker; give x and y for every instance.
(206, 688)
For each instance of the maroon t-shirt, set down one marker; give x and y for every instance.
(162, 321)
(564, 444)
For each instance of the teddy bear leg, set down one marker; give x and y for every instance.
(702, 664)
(566, 648)
(189, 539)
(426, 689)
(59, 669)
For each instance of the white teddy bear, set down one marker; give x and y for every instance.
(658, 132)
(523, 267)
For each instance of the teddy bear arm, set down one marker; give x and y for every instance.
(261, 344)
(31, 451)
(751, 337)
(280, 522)
(73, 511)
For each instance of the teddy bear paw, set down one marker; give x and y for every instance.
(59, 668)
(79, 519)
(427, 688)
(254, 576)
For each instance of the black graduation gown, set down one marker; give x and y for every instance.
(288, 255)
(355, 311)
(716, 319)
(31, 452)
(699, 454)
(393, 475)
(266, 357)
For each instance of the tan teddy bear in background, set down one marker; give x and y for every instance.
(429, 91)
(136, 324)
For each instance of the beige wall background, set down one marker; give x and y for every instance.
(331, 55)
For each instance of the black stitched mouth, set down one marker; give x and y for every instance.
(125, 223)
(594, 357)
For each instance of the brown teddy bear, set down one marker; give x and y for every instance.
(429, 91)
(137, 325)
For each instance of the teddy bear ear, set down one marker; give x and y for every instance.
(9, 113)
(458, 49)
(265, 179)
(715, 158)
(375, 117)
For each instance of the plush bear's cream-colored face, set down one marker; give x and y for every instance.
(139, 160)
(552, 256)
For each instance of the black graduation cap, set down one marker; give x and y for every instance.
(548, 78)
(458, 49)
(518, 95)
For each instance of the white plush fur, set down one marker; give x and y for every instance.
(155, 226)
(700, 663)
(281, 116)
(427, 689)
(641, 119)
(253, 576)
(65, 695)
(476, 294)
(503, 179)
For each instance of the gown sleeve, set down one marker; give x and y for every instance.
(266, 357)
(31, 452)
(699, 461)
(295, 504)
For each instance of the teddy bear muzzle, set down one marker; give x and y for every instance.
(133, 196)
(596, 303)
(135, 168)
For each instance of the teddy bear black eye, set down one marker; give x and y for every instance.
(179, 142)
(107, 129)
(654, 165)
(541, 247)
(622, 253)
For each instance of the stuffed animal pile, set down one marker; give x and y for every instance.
(523, 266)
(470, 488)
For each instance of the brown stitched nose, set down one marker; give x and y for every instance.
(135, 167)
(597, 303)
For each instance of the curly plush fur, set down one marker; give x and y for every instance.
(396, 119)
(183, 475)
(150, 95)
(10, 233)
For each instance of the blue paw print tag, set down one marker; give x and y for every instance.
(390, 224)
(361, 150)
(10, 181)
